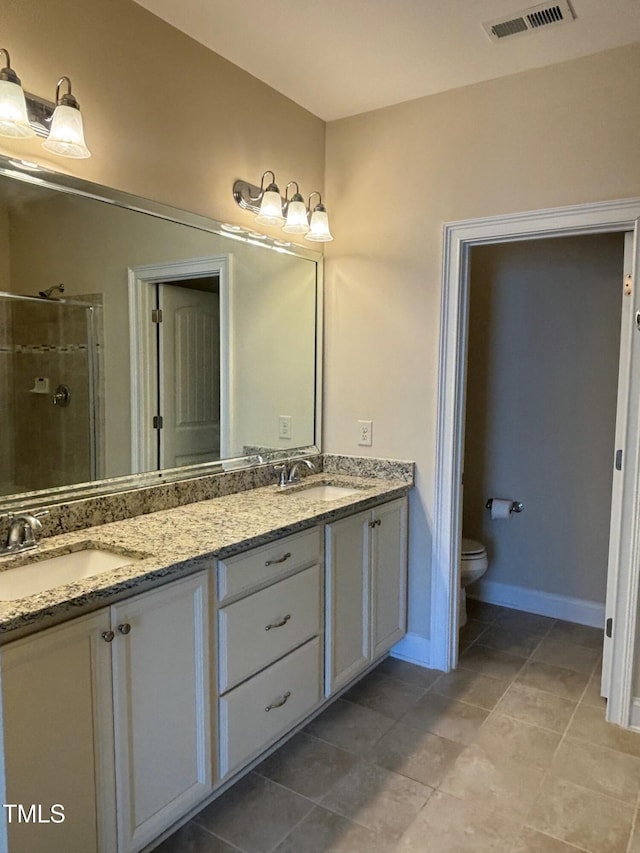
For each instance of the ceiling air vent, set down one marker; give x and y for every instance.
(528, 20)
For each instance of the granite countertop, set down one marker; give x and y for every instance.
(179, 541)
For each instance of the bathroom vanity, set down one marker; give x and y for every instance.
(241, 617)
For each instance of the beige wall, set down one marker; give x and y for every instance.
(562, 135)
(542, 378)
(165, 118)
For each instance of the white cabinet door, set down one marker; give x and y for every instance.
(366, 588)
(58, 747)
(347, 600)
(388, 576)
(161, 707)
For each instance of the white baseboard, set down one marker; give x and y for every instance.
(543, 603)
(414, 649)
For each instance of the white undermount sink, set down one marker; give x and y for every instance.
(44, 575)
(324, 492)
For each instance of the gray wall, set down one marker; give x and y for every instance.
(541, 403)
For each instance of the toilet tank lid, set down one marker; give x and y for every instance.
(470, 546)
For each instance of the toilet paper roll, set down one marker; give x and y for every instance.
(500, 509)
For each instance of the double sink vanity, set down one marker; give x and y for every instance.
(148, 662)
(189, 605)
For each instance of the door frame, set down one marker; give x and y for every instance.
(458, 239)
(144, 382)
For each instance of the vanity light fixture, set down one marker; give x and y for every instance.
(290, 213)
(270, 202)
(319, 225)
(14, 121)
(24, 116)
(297, 222)
(66, 136)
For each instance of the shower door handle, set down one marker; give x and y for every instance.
(62, 396)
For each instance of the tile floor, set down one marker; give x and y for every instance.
(509, 754)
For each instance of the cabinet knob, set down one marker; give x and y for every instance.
(375, 523)
(108, 636)
(279, 624)
(124, 628)
(279, 702)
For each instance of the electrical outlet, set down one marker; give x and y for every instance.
(365, 430)
(284, 428)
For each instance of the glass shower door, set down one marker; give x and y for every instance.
(48, 384)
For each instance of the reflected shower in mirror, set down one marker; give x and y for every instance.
(133, 342)
(47, 348)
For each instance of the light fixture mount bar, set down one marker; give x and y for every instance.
(40, 112)
(248, 196)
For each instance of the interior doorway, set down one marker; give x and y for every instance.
(543, 372)
(188, 365)
(181, 380)
(459, 238)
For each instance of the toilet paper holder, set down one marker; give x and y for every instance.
(516, 506)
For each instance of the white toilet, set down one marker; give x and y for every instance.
(473, 564)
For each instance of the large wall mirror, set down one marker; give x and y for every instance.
(140, 340)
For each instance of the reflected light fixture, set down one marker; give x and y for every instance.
(14, 121)
(24, 116)
(290, 213)
(66, 136)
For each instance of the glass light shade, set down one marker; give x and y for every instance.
(297, 222)
(319, 228)
(14, 121)
(66, 136)
(270, 209)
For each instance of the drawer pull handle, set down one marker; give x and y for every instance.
(108, 636)
(279, 703)
(281, 560)
(125, 628)
(279, 624)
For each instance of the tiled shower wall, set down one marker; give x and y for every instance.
(51, 444)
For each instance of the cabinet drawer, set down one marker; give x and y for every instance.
(262, 627)
(244, 571)
(290, 689)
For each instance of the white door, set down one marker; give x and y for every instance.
(388, 576)
(623, 581)
(162, 708)
(189, 376)
(615, 530)
(57, 723)
(347, 594)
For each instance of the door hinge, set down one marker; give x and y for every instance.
(609, 628)
(628, 285)
(157, 422)
(618, 460)
(156, 315)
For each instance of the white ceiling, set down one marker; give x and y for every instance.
(342, 57)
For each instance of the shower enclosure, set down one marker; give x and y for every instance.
(49, 399)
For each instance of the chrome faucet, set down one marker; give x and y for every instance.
(22, 532)
(294, 477)
(291, 476)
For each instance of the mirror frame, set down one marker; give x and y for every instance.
(32, 173)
